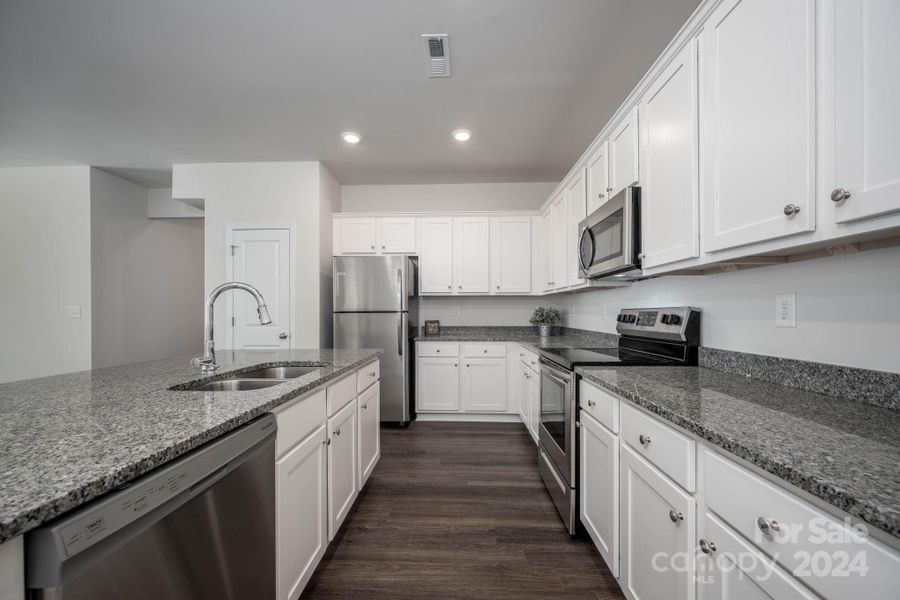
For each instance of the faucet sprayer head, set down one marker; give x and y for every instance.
(264, 318)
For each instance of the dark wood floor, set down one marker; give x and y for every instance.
(458, 510)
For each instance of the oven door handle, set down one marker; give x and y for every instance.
(561, 376)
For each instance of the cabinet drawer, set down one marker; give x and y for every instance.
(340, 393)
(368, 375)
(808, 542)
(437, 349)
(672, 452)
(600, 404)
(484, 350)
(298, 420)
(529, 358)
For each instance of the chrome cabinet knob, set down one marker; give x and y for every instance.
(498, 287)
(609, 189)
(460, 287)
(644, 439)
(707, 547)
(577, 424)
(449, 287)
(791, 209)
(327, 441)
(337, 432)
(485, 351)
(455, 364)
(675, 516)
(383, 247)
(371, 373)
(592, 402)
(600, 195)
(839, 194)
(365, 407)
(768, 527)
(282, 336)
(373, 246)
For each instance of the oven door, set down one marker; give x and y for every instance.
(557, 428)
(609, 239)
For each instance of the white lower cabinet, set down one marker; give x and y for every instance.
(437, 384)
(599, 479)
(658, 533)
(524, 393)
(342, 466)
(369, 420)
(301, 513)
(484, 384)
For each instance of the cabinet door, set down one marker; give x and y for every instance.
(866, 119)
(524, 393)
(301, 513)
(397, 235)
(484, 384)
(575, 213)
(436, 257)
(472, 265)
(510, 255)
(437, 384)
(669, 183)
(547, 258)
(369, 419)
(758, 122)
(534, 380)
(658, 533)
(623, 154)
(600, 488)
(598, 178)
(358, 236)
(560, 240)
(343, 478)
(731, 569)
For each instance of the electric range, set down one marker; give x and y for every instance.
(648, 337)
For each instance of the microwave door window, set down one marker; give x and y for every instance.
(608, 238)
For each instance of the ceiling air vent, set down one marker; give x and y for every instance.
(437, 54)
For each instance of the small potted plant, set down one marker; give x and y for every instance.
(545, 318)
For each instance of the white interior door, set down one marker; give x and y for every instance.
(262, 258)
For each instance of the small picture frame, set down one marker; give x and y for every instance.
(432, 328)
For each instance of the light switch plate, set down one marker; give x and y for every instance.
(74, 311)
(786, 310)
(455, 311)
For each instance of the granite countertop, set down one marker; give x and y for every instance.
(844, 452)
(71, 438)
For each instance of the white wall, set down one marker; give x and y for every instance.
(329, 203)
(848, 308)
(147, 277)
(445, 197)
(264, 192)
(45, 266)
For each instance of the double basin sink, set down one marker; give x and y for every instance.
(257, 380)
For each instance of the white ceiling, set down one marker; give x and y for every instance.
(135, 85)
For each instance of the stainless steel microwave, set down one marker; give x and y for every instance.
(609, 239)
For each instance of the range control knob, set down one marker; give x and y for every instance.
(632, 318)
(674, 320)
(665, 319)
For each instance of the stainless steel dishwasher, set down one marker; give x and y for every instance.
(202, 526)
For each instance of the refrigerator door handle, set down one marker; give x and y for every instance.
(400, 334)
(400, 288)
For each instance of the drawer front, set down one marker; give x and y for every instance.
(530, 358)
(298, 420)
(437, 349)
(669, 450)
(367, 375)
(600, 404)
(815, 547)
(340, 393)
(484, 350)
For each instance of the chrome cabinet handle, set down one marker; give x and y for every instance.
(839, 194)
(592, 402)
(675, 516)
(791, 209)
(644, 439)
(768, 527)
(707, 547)
(282, 336)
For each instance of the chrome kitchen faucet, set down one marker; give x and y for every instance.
(207, 362)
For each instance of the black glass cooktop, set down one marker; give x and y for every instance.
(574, 357)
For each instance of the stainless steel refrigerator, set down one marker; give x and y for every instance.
(376, 306)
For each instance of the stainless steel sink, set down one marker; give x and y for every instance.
(281, 372)
(235, 385)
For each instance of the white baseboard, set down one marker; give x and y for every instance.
(469, 417)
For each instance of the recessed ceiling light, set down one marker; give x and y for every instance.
(462, 135)
(351, 137)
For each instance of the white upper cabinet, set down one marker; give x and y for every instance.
(866, 116)
(358, 236)
(623, 154)
(669, 182)
(472, 264)
(757, 121)
(436, 256)
(510, 255)
(598, 178)
(397, 235)
(547, 262)
(575, 213)
(559, 240)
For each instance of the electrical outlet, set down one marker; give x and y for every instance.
(455, 311)
(74, 312)
(786, 310)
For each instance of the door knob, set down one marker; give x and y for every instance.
(282, 336)
(839, 194)
(791, 209)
